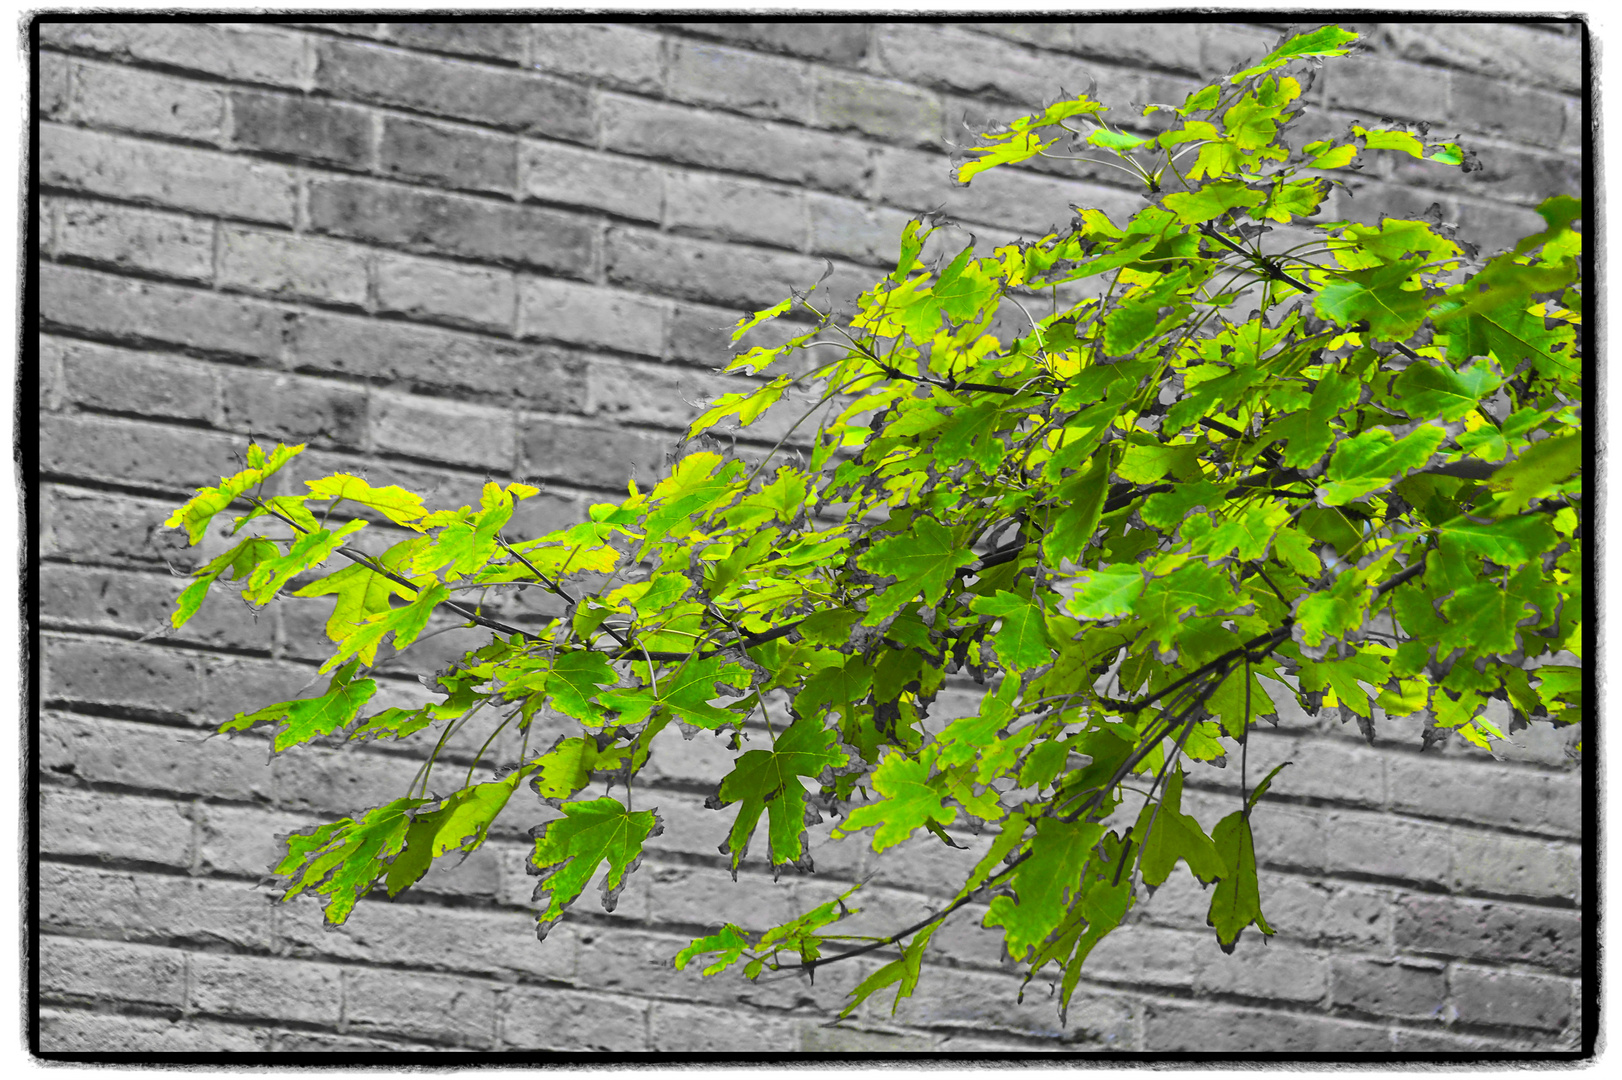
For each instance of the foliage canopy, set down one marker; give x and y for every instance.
(1125, 518)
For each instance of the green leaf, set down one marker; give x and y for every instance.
(1325, 41)
(910, 798)
(921, 560)
(569, 851)
(1426, 390)
(196, 513)
(1106, 593)
(566, 768)
(1375, 460)
(1022, 641)
(768, 780)
(1378, 296)
(362, 594)
(307, 552)
(1539, 468)
(1482, 619)
(240, 561)
(393, 502)
(459, 823)
(342, 860)
(1212, 201)
(688, 691)
(1236, 902)
(1044, 884)
(730, 942)
(1166, 834)
(300, 721)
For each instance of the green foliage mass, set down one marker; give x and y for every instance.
(1131, 477)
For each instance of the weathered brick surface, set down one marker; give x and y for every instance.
(446, 252)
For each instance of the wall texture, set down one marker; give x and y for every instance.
(441, 252)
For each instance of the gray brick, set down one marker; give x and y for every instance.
(302, 128)
(577, 314)
(945, 58)
(429, 360)
(1388, 848)
(142, 311)
(103, 600)
(265, 988)
(622, 186)
(690, 1029)
(704, 269)
(543, 1019)
(852, 230)
(428, 223)
(840, 43)
(107, 528)
(139, 677)
(172, 245)
(739, 81)
(724, 208)
(1496, 49)
(512, 101)
(100, 750)
(450, 157)
(293, 408)
(498, 944)
(1223, 48)
(498, 40)
(596, 456)
(1491, 931)
(883, 109)
(142, 101)
(447, 292)
(1380, 87)
(1486, 996)
(1488, 794)
(982, 1002)
(1258, 968)
(55, 88)
(1141, 44)
(623, 57)
(1207, 1028)
(1493, 107)
(240, 52)
(122, 827)
(1387, 988)
(1513, 866)
(441, 1008)
(78, 968)
(694, 137)
(1009, 198)
(75, 1031)
(88, 900)
(130, 169)
(447, 431)
(124, 451)
(295, 267)
(1043, 35)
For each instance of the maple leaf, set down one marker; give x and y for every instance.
(768, 780)
(341, 860)
(459, 823)
(921, 560)
(310, 718)
(1167, 834)
(569, 851)
(911, 800)
(1022, 641)
(1236, 901)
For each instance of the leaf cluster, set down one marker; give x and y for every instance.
(1227, 452)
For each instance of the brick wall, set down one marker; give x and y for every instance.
(445, 252)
